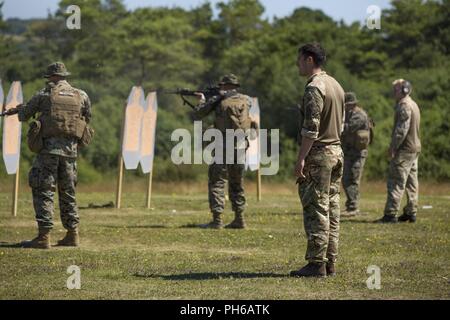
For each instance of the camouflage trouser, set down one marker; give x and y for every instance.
(49, 171)
(217, 176)
(353, 169)
(402, 175)
(319, 194)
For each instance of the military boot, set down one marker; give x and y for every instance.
(72, 239)
(350, 213)
(387, 219)
(216, 223)
(331, 269)
(312, 269)
(42, 241)
(238, 222)
(407, 218)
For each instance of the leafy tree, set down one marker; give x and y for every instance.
(171, 47)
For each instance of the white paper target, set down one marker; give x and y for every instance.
(253, 155)
(148, 132)
(132, 129)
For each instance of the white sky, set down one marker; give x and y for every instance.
(348, 10)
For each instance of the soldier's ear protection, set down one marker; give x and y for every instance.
(406, 87)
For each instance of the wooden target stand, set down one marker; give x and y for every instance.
(12, 132)
(121, 166)
(148, 113)
(255, 115)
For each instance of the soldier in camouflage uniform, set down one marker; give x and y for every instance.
(354, 145)
(320, 162)
(231, 110)
(63, 115)
(404, 153)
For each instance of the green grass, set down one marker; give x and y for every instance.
(153, 254)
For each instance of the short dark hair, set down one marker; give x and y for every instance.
(315, 51)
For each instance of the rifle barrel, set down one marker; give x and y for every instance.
(183, 92)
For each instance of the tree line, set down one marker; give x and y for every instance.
(173, 47)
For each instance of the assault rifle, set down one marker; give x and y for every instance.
(9, 112)
(209, 92)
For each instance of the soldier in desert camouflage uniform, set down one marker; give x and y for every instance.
(355, 140)
(231, 110)
(404, 153)
(320, 162)
(63, 113)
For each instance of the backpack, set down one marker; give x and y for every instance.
(234, 113)
(64, 118)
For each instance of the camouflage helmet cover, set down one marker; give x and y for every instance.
(350, 98)
(56, 69)
(230, 79)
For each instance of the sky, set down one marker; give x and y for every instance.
(348, 10)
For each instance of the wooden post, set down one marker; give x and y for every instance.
(258, 172)
(258, 184)
(16, 192)
(121, 164)
(119, 182)
(149, 189)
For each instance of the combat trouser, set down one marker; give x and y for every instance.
(47, 173)
(218, 174)
(402, 176)
(319, 195)
(353, 169)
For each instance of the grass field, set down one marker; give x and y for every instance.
(157, 254)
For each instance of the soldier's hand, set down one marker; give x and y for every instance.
(200, 96)
(254, 124)
(253, 130)
(11, 111)
(299, 166)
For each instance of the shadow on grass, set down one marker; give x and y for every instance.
(200, 226)
(192, 226)
(108, 205)
(212, 276)
(152, 226)
(10, 245)
(357, 221)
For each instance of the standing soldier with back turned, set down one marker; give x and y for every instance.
(231, 110)
(355, 141)
(404, 153)
(320, 162)
(61, 127)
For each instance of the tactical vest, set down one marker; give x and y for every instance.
(233, 113)
(64, 118)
